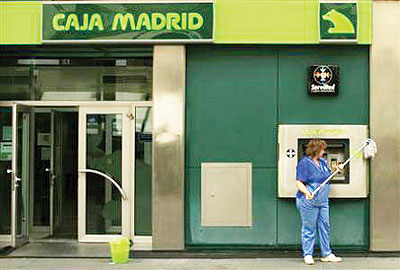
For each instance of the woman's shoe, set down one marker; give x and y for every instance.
(308, 260)
(331, 258)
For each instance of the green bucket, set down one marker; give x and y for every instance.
(119, 250)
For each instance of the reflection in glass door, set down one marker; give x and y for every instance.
(20, 177)
(143, 172)
(142, 189)
(105, 173)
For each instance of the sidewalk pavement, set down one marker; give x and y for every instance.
(361, 263)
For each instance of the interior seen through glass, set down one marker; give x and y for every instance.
(73, 79)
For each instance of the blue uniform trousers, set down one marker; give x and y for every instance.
(314, 219)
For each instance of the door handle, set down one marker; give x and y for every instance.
(52, 176)
(108, 178)
(17, 181)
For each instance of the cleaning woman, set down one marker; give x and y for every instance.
(311, 171)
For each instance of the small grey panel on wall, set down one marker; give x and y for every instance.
(226, 194)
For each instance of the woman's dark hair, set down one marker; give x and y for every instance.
(314, 147)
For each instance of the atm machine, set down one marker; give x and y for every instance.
(342, 141)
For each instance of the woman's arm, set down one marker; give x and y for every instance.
(300, 185)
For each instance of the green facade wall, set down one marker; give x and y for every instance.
(236, 98)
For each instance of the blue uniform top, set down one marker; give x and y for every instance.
(312, 176)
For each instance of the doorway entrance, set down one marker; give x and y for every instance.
(73, 169)
(55, 178)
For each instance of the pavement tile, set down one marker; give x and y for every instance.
(197, 264)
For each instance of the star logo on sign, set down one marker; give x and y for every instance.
(290, 153)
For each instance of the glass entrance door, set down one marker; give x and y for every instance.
(20, 174)
(105, 173)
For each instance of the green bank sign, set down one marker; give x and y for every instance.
(141, 22)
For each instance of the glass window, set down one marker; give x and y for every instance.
(15, 83)
(104, 154)
(143, 170)
(76, 79)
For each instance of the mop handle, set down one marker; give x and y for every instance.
(337, 170)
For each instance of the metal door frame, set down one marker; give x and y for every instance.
(51, 174)
(18, 240)
(126, 171)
